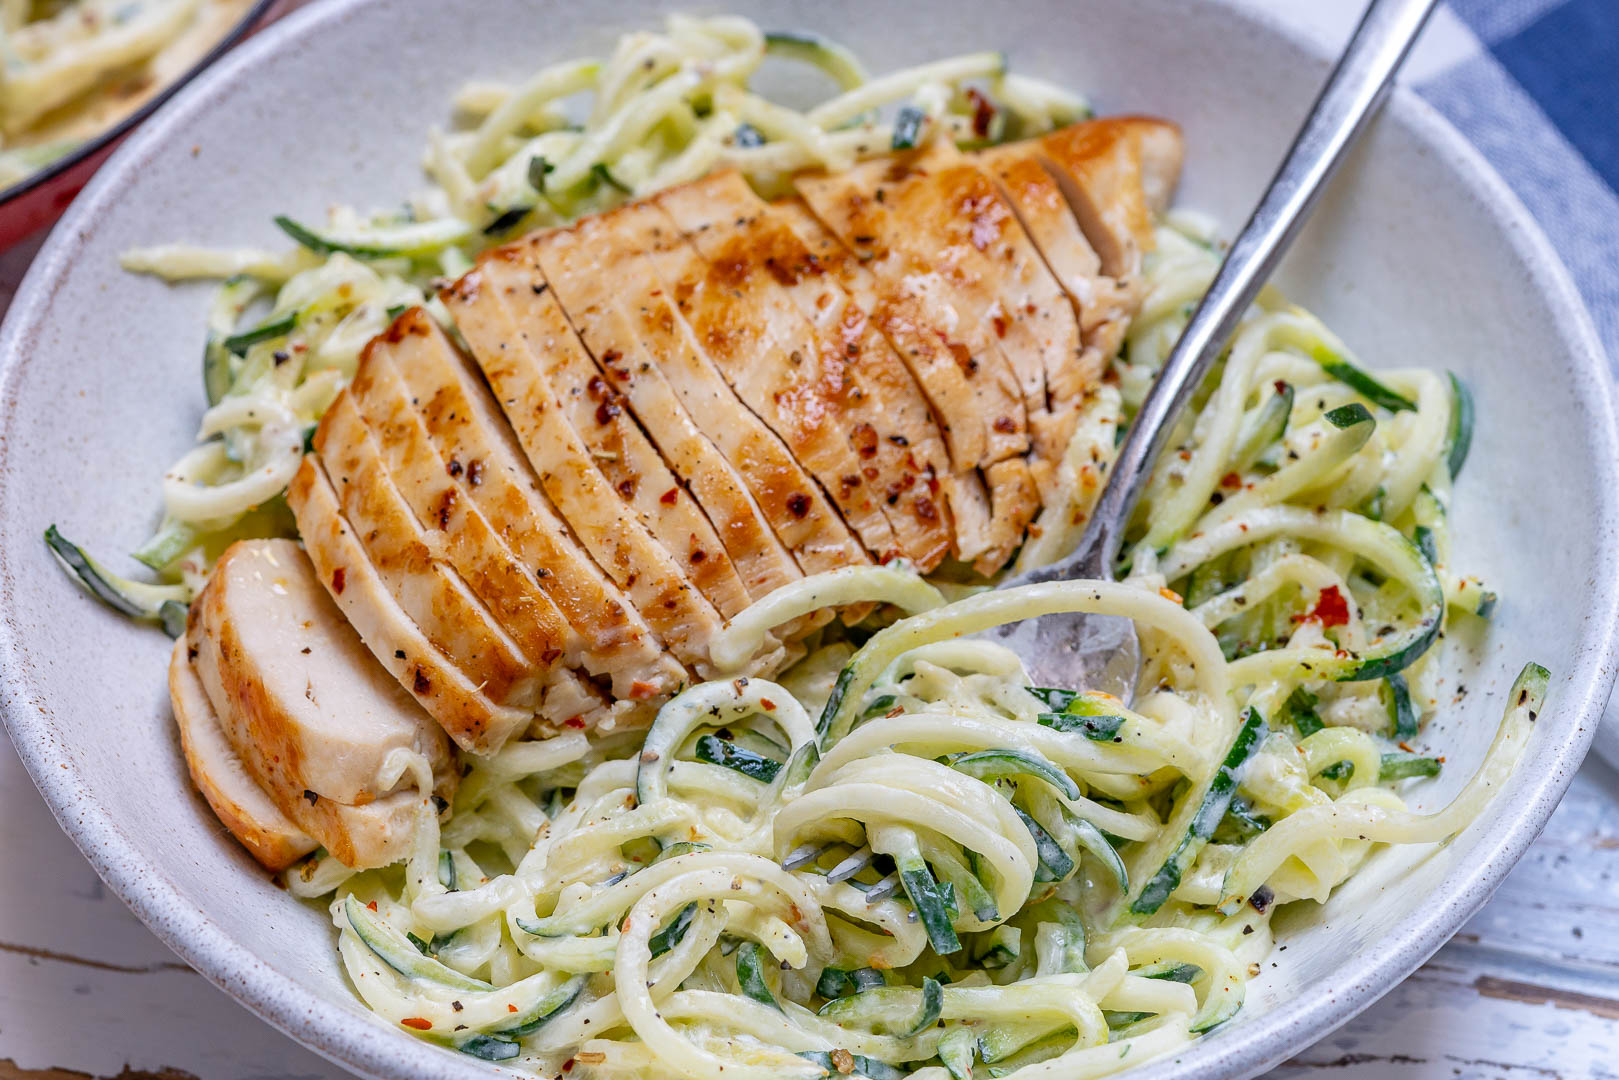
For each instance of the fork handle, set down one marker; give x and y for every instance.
(1352, 94)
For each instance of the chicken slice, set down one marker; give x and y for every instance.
(1014, 499)
(361, 837)
(428, 589)
(453, 529)
(1031, 317)
(442, 498)
(637, 382)
(625, 506)
(461, 708)
(472, 438)
(771, 358)
(464, 549)
(329, 738)
(899, 325)
(217, 770)
(652, 259)
(1039, 202)
(622, 454)
(1116, 173)
(895, 217)
(858, 423)
(1104, 305)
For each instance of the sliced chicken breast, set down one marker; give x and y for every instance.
(472, 437)
(639, 384)
(897, 219)
(767, 352)
(1029, 314)
(1116, 172)
(335, 745)
(1014, 499)
(1039, 202)
(606, 479)
(444, 498)
(236, 798)
(453, 528)
(463, 548)
(261, 610)
(461, 708)
(858, 423)
(941, 380)
(427, 588)
(361, 837)
(661, 276)
(615, 491)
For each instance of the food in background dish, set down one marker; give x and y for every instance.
(72, 69)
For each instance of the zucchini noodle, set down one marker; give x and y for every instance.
(903, 859)
(900, 859)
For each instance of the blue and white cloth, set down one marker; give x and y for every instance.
(1537, 90)
(1535, 85)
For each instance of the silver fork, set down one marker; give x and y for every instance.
(1099, 651)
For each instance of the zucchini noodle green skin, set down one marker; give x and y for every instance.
(949, 872)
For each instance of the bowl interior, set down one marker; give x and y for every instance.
(1416, 258)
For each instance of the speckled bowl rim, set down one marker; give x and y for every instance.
(373, 1049)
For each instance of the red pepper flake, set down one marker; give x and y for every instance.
(1005, 425)
(418, 1022)
(1000, 325)
(983, 112)
(1403, 745)
(606, 411)
(627, 487)
(421, 682)
(339, 580)
(668, 497)
(576, 722)
(511, 1008)
(798, 504)
(1331, 609)
(769, 706)
(372, 906)
(475, 473)
(1231, 481)
(864, 439)
(640, 691)
(963, 355)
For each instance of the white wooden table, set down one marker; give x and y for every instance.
(1529, 990)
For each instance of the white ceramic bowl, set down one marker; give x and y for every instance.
(1420, 256)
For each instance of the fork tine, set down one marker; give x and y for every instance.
(851, 866)
(803, 855)
(882, 890)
